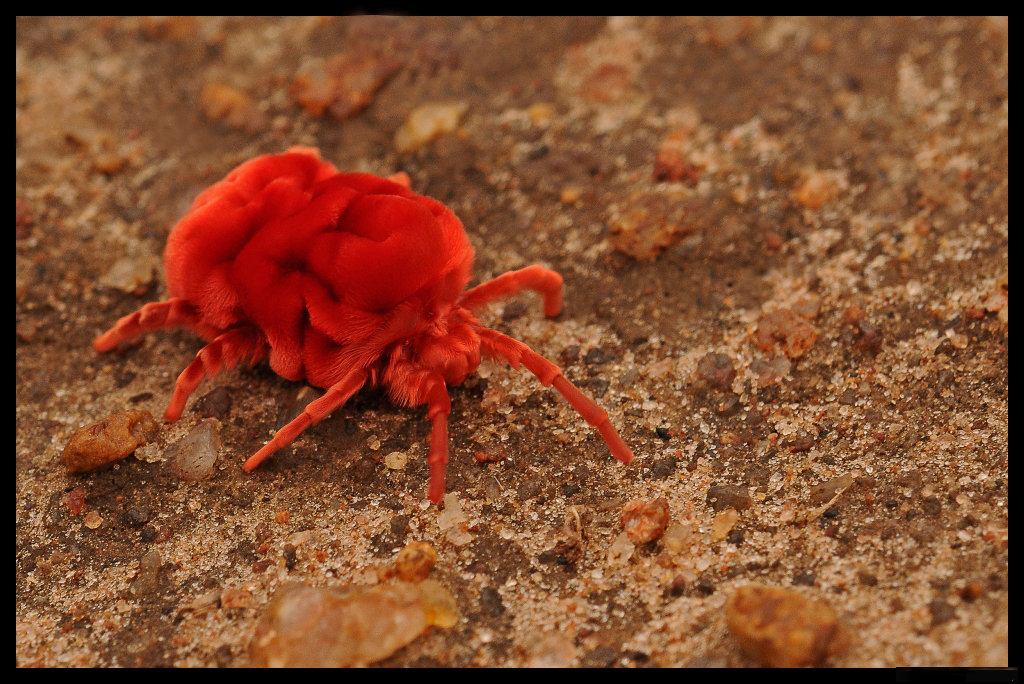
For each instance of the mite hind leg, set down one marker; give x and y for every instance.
(222, 354)
(317, 410)
(543, 281)
(497, 345)
(173, 313)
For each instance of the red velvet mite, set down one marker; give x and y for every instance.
(344, 279)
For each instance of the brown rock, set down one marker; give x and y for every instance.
(108, 441)
(415, 561)
(645, 521)
(223, 102)
(345, 626)
(721, 497)
(343, 84)
(650, 222)
(784, 330)
(716, 370)
(819, 188)
(781, 628)
(671, 163)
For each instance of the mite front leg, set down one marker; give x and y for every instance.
(543, 281)
(317, 410)
(223, 353)
(497, 345)
(591, 412)
(173, 313)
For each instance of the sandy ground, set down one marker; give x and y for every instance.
(687, 177)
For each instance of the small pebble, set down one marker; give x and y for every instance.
(721, 497)
(678, 537)
(131, 275)
(540, 114)
(808, 307)
(770, 372)
(782, 330)
(620, 550)
(723, 524)
(234, 597)
(452, 514)
(454, 522)
(415, 561)
(92, 520)
(570, 194)
(426, 122)
(972, 591)
(343, 84)
(214, 404)
(869, 338)
(824, 492)
(346, 626)
(137, 517)
(223, 102)
(146, 580)
(396, 460)
(648, 223)
(552, 649)
(716, 370)
(781, 628)
(75, 499)
(490, 602)
(941, 612)
(645, 521)
(108, 441)
(194, 457)
(996, 301)
(820, 187)
(671, 163)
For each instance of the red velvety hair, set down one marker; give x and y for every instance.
(310, 256)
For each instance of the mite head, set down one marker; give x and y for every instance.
(445, 337)
(450, 345)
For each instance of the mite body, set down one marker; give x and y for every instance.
(344, 279)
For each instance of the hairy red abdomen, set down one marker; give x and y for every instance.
(281, 244)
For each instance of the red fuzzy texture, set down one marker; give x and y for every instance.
(343, 279)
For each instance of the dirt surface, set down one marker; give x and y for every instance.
(784, 244)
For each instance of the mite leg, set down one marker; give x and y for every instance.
(543, 281)
(439, 405)
(413, 385)
(337, 395)
(223, 353)
(154, 316)
(497, 345)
